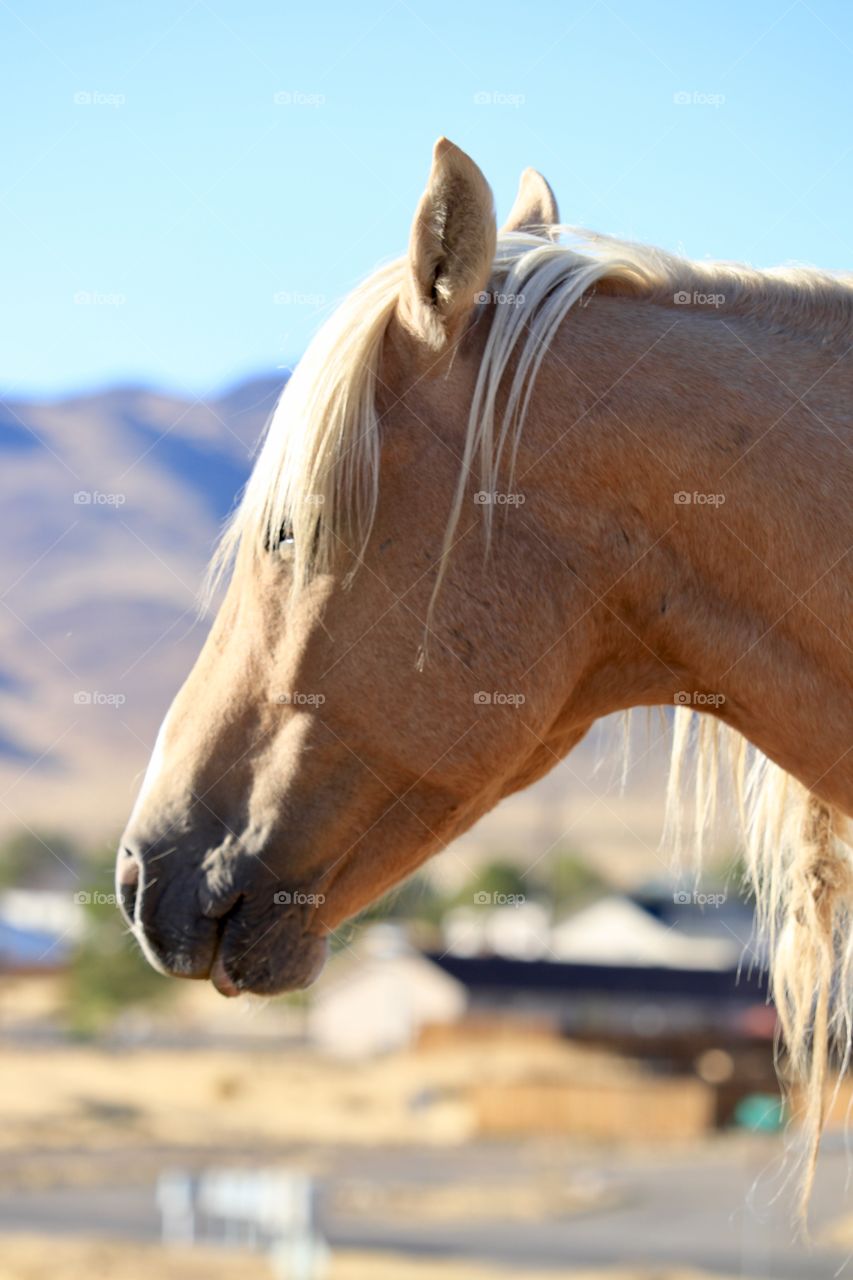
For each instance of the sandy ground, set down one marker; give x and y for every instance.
(70, 1113)
(25, 1258)
(61, 1258)
(85, 1096)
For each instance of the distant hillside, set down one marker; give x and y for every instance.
(112, 503)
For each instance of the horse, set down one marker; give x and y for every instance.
(514, 485)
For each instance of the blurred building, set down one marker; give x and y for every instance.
(376, 997)
(38, 929)
(616, 931)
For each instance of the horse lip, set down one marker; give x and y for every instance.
(220, 979)
(224, 968)
(287, 980)
(218, 974)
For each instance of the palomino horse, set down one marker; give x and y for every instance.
(512, 488)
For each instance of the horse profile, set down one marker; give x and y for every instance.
(513, 486)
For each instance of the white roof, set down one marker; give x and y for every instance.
(46, 910)
(521, 932)
(616, 931)
(376, 999)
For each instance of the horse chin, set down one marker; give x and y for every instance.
(273, 972)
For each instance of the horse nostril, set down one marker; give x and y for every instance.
(127, 882)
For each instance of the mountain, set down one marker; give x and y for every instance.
(113, 501)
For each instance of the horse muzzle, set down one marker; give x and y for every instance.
(239, 928)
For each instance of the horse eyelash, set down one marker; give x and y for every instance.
(284, 537)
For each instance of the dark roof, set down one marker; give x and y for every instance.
(495, 974)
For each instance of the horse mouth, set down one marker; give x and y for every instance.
(264, 950)
(249, 942)
(295, 963)
(270, 966)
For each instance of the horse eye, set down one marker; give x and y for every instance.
(284, 539)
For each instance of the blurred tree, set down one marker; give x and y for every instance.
(562, 881)
(415, 899)
(728, 872)
(108, 973)
(569, 881)
(497, 879)
(38, 860)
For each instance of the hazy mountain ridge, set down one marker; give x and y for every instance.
(113, 501)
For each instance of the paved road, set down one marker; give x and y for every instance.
(714, 1210)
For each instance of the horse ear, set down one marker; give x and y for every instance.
(535, 207)
(451, 248)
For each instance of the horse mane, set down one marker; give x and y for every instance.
(317, 475)
(815, 305)
(318, 469)
(798, 863)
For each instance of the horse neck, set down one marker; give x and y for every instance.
(699, 473)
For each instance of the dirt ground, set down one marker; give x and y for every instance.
(82, 1095)
(72, 1112)
(26, 1258)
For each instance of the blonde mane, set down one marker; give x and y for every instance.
(318, 472)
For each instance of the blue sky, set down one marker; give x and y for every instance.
(188, 185)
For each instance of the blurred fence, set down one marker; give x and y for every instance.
(271, 1210)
